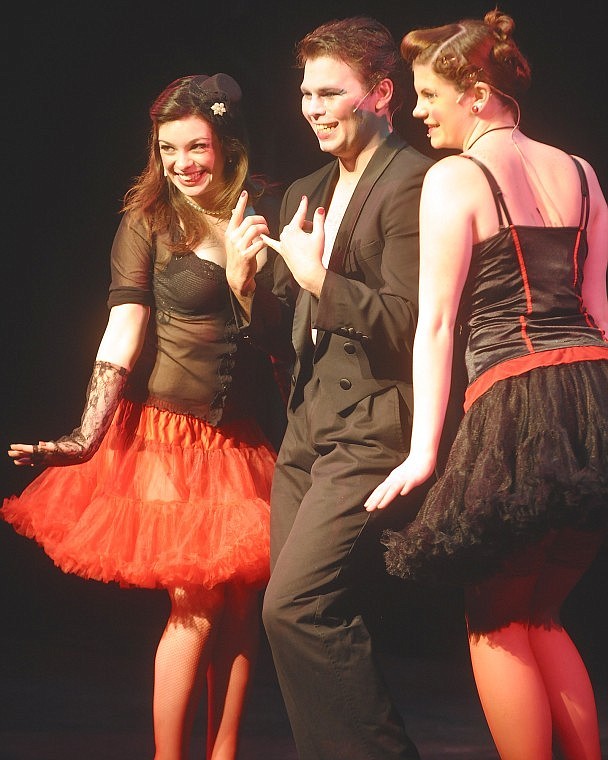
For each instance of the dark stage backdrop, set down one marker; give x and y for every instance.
(78, 79)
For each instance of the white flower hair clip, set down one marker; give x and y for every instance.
(219, 109)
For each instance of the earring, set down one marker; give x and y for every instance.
(165, 173)
(475, 108)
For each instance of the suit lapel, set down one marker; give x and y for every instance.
(382, 157)
(378, 163)
(320, 196)
(306, 304)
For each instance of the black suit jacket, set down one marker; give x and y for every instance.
(366, 314)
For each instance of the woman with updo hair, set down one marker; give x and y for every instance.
(470, 50)
(513, 261)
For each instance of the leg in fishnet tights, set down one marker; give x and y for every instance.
(208, 632)
(230, 671)
(530, 678)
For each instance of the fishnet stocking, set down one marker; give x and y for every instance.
(230, 672)
(182, 658)
(212, 636)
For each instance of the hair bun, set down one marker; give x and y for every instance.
(501, 24)
(219, 83)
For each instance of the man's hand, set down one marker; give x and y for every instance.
(302, 248)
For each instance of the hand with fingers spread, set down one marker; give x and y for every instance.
(301, 247)
(245, 249)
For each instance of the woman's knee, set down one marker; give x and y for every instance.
(195, 602)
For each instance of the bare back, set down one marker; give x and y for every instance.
(540, 184)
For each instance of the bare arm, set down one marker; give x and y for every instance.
(445, 251)
(124, 335)
(594, 275)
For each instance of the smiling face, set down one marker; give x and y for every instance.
(339, 107)
(444, 109)
(191, 156)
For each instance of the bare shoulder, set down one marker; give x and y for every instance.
(456, 179)
(551, 161)
(592, 178)
(598, 205)
(451, 169)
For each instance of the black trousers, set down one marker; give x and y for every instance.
(323, 546)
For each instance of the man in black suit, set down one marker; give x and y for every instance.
(350, 241)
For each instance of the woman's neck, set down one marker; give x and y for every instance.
(486, 131)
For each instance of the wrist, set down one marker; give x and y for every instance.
(244, 290)
(315, 284)
(245, 302)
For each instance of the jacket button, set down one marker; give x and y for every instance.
(349, 348)
(345, 384)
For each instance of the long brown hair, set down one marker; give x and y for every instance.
(154, 197)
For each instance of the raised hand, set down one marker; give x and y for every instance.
(302, 247)
(245, 248)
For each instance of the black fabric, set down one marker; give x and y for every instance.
(530, 455)
(523, 291)
(195, 360)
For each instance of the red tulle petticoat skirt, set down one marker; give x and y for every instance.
(166, 501)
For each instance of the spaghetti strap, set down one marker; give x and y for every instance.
(501, 206)
(585, 201)
(499, 200)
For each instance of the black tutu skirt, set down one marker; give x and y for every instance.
(530, 456)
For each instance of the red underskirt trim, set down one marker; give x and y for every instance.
(522, 364)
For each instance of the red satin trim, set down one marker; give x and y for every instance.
(522, 364)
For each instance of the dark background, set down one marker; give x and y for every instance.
(78, 79)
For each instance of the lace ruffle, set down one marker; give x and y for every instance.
(531, 455)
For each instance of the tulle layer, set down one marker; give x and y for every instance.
(531, 455)
(166, 501)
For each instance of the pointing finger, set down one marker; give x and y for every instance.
(271, 243)
(318, 224)
(299, 218)
(238, 212)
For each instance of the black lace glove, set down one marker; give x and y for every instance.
(104, 391)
